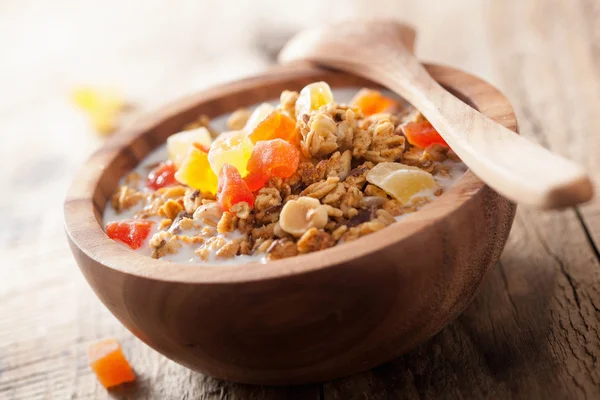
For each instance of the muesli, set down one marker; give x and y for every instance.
(292, 178)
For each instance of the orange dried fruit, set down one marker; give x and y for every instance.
(422, 134)
(258, 115)
(372, 102)
(276, 125)
(108, 362)
(271, 158)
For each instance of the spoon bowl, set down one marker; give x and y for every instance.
(308, 318)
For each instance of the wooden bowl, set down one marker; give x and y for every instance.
(304, 319)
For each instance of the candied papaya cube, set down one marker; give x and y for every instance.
(232, 188)
(196, 172)
(131, 232)
(260, 113)
(276, 125)
(161, 176)
(108, 362)
(274, 158)
(372, 102)
(179, 143)
(422, 134)
(312, 97)
(401, 181)
(233, 148)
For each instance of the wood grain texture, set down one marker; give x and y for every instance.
(307, 318)
(530, 333)
(377, 49)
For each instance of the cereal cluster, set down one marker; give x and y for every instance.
(334, 193)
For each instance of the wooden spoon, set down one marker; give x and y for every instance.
(380, 50)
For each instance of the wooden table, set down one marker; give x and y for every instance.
(532, 332)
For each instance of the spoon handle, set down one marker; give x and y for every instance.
(519, 169)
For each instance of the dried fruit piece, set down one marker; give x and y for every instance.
(196, 171)
(256, 180)
(274, 158)
(108, 362)
(372, 102)
(161, 176)
(273, 126)
(232, 188)
(422, 134)
(179, 143)
(131, 232)
(298, 216)
(232, 148)
(401, 181)
(258, 115)
(312, 97)
(102, 105)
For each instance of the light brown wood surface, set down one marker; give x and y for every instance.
(531, 332)
(303, 319)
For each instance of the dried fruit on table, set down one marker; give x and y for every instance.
(196, 171)
(131, 232)
(258, 115)
(372, 102)
(108, 362)
(401, 181)
(178, 144)
(276, 125)
(422, 134)
(102, 106)
(312, 97)
(232, 148)
(232, 188)
(161, 176)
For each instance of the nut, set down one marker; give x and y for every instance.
(209, 213)
(298, 216)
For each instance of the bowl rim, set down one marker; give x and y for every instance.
(83, 218)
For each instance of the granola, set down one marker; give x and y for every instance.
(349, 179)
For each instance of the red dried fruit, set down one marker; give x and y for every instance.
(131, 232)
(256, 180)
(161, 176)
(232, 188)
